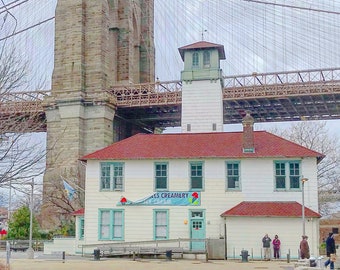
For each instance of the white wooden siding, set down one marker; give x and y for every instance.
(202, 106)
(246, 233)
(257, 184)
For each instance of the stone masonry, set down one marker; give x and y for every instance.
(97, 44)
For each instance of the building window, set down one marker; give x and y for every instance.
(161, 176)
(294, 175)
(112, 176)
(195, 60)
(111, 224)
(81, 228)
(197, 214)
(196, 175)
(287, 175)
(206, 59)
(280, 175)
(233, 175)
(161, 227)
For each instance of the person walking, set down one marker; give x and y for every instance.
(276, 246)
(304, 248)
(330, 250)
(266, 246)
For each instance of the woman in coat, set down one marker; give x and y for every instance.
(304, 248)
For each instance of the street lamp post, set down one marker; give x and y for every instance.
(9, 201)
(303, 180)
(30, 251)
(8, 140)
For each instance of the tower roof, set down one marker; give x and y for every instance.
(202, 45)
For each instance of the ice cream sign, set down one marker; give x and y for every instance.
(167, 198)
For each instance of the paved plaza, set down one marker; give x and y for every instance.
(126, 264)
(19, 261)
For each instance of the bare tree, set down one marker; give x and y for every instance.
(22, 157)
(58, 201)
(3, 199)
(24, 197)
(316, 136)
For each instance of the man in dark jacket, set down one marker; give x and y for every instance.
(330, 249)
(266, 246)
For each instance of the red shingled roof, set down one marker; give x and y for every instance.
(200, 145)
(270, 209)
(202, 45)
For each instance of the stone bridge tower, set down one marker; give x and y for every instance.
(97, 44)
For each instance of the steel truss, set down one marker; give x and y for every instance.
(280, 96)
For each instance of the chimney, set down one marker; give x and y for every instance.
(248, 134)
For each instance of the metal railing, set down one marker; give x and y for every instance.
(37, 245)
(130, 247)
(290, 83)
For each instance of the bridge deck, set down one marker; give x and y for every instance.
(282, 96)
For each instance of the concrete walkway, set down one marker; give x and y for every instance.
(19, 261)
(126, 264)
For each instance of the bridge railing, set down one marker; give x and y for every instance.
(148, 93)
(311, 76)
(12, 96)
(22, 102)
(294, 83)
(256, 85)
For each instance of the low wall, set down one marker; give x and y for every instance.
(59, 245)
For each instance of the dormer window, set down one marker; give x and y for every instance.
(206, 59)
(195, 60)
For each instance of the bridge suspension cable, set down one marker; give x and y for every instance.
(259, 36)
(293, 6)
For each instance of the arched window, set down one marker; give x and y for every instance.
(195, 60)
(206, 59)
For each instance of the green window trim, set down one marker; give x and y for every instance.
(206, 59)
(196, 171)
(195, 60)
(161, 224)
(233, 180)
(287, 175)
(161, 176)
(111, 224)
(112, 176)
(81, 226)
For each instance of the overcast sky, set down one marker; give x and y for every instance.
(258, 36)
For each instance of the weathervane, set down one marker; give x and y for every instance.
(205, 30)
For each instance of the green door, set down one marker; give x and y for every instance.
(197, 230)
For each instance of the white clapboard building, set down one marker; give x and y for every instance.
(202, 183)
(202, 186)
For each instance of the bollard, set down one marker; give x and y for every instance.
(244, 255)
(168, 254)
(312, 262)
(288, 258)
(8, 253)
(63, 256)
(96, 254)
